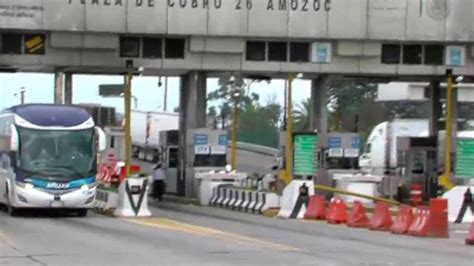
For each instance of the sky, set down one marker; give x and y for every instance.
(40, 89)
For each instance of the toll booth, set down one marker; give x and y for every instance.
(169, 145)
(115, 141)
(417, 162)
(343, 150)
(206, 151)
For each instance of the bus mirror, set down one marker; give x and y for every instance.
(101, 139)
(14, 141)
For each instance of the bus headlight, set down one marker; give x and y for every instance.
(25, 185)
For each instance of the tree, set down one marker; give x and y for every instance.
(256, 123)
(301, 115)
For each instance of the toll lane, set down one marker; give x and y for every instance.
(184, 234)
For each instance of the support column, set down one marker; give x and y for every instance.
(58, 86)
(319, 121)
(68, 92)
(192, 115)
(319, 112)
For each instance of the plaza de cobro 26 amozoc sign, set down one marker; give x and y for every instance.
(272, 5)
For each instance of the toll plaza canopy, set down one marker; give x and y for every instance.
(360, 37)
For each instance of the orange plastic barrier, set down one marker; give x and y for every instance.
(358, 217)
(419, 227)
(403, 221)
(438, 225)
(316, 208)
(381, 219)
(337, 212)
(470, 236)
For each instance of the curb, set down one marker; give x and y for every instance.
(182, 200)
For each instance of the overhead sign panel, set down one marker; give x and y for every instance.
(465, 158)
(439, 20)
(111, 89)
(305, 163)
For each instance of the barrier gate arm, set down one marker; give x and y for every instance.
(345, 192)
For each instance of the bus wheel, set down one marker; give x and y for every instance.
(12, 211)
(82, 212)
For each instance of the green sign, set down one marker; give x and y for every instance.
(465, 158)
(304, 163)
(111, 89)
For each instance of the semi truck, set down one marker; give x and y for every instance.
(380, 150)
(146, 128)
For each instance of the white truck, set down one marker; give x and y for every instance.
(146, 128)
(380, 149)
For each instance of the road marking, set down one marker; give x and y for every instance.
(461, 231)
(6, 240)
(173, 225)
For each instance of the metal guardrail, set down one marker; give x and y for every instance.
(256, 148)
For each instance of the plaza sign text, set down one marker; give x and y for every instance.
(271, 5)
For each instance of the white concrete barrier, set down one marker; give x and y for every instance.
(455, 198)
(290, 196)
(272, 200)
(133, 198)
(242, 200)
(105, 200)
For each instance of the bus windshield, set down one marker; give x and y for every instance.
(57, 154)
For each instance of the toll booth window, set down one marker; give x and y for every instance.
(174, 48)
(210, 160)
(11, 43)
(173, 158)
(368, 148)
(35, 44)
(434, 54)
(277, 51)
(112, 142)
(255, 51)
(129, 47)
(152, 48)
(412, 54)
(391, 54)
(299, 52)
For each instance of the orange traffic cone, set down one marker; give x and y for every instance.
(316, 208)
(403, 221)
(381, 219)
(358, 217)
(337, 212)
(470, 236)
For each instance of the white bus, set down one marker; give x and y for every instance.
(48, 156)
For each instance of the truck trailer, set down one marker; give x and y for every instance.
(146, 128)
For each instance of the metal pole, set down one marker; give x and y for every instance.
(165, 100)
(289, 132)
(233, 151)
(445, 179)
(128, 138)
(22, 96)
(285, 106)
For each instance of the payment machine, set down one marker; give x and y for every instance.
(417, 161)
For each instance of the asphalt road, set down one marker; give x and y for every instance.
(248, 162)
(191, 235)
